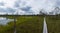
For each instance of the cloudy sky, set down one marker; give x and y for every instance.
(27, 6)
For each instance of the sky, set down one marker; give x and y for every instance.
(27, 6)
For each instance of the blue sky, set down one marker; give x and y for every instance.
(27, 6)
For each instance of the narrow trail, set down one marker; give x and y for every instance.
(45, 26)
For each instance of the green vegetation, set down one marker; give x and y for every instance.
(53, 23)
(24, 24)
(32, 24)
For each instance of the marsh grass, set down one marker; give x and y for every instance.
(32, 24)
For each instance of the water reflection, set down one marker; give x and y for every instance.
(4, 20)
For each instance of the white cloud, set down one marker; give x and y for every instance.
(36, 5)
(8, 3)
(39, 4)
(45, 4)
